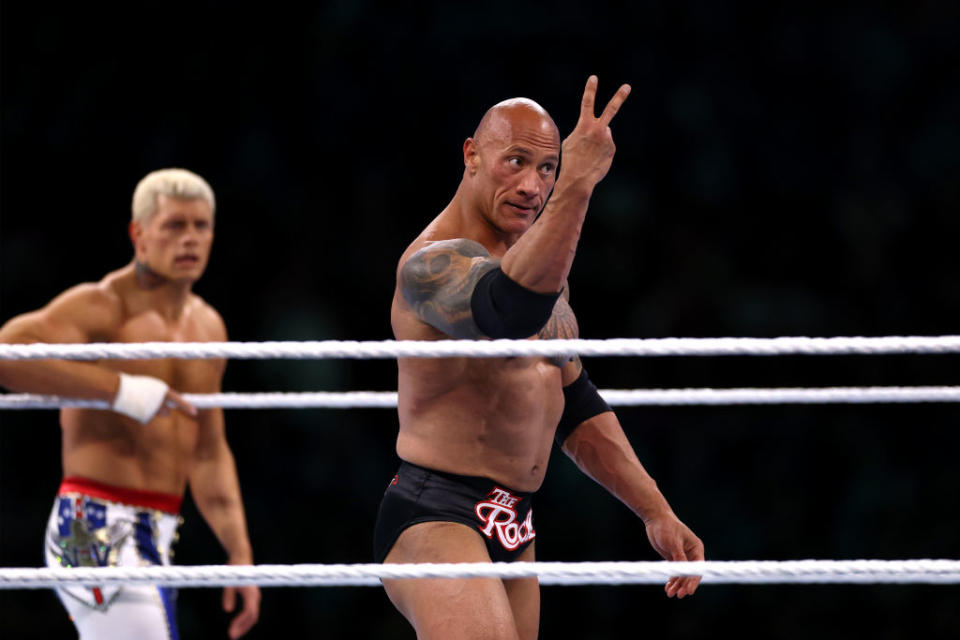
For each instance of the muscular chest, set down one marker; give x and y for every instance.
(190, 376)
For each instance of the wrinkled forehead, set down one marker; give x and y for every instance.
(518, 121)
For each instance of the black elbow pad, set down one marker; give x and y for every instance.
(582, 401)
(504, 309)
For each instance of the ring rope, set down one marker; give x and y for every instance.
(486, 348)
(614, 397)
(549, 573)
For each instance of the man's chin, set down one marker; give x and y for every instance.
(516, 225)
(512, 222)
(185, 279)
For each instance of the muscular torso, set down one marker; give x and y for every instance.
(490, 417)
(111, 448)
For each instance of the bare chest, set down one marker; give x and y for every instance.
(190, 376)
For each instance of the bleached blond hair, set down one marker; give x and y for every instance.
(173, 183)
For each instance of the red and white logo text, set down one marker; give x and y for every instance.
(498, 515)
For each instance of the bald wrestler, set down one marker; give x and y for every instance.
(475, 433)
(125, 471)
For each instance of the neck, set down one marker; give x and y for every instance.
(475, 225)
(168, 296)
(147, 278)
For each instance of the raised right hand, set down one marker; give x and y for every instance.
(588, 150)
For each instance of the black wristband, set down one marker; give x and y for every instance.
(581, 402)
(504, 309)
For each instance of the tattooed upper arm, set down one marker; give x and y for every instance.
(562, 323)
(438, 281)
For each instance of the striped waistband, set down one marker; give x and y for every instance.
(167, 502)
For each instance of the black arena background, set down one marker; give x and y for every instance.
(782, 170)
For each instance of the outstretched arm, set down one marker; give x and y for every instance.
(84, 313)
(601, 450)
(216, 492)
(75, 316)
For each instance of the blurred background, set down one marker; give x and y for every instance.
(782, 169)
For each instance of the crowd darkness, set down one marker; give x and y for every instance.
(781, 169)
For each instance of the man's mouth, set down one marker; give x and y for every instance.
(522, 209)
(187, 260)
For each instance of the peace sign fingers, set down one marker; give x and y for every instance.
(589, 97)
(589, 94)
(588, 150)
(614, 105)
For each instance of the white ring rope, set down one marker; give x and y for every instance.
(743, 572)
(549, 573)
(615, 397)
(486, 348)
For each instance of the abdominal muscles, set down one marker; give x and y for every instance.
(485, 417)
(108, 448)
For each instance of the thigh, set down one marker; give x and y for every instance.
(524, 595)
(141, 612)
(446, 608)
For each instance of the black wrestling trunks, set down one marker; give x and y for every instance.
(502, 516)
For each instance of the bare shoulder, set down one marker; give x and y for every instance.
(436, 264)
(209, 320)
(462, 246)
(94, 306)
(422, 254)
(437, 279)
(101, 296)
(86, 312)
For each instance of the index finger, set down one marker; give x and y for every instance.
(175, 401)
(248, 616)
(614, 105)
(589, 94)
(229, 598)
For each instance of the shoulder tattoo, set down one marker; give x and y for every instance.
(438, 281)
(561, 325)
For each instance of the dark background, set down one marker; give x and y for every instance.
(782, 169)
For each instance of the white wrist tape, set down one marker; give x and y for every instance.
(139, 397)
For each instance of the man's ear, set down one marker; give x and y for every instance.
(135, 230)
(471, 155)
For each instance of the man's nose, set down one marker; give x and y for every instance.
(530, 184)
(191, 235)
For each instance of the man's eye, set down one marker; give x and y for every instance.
(515, 162)
(548, 169)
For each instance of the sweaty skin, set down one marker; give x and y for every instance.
(148, 300)
(496, 417)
